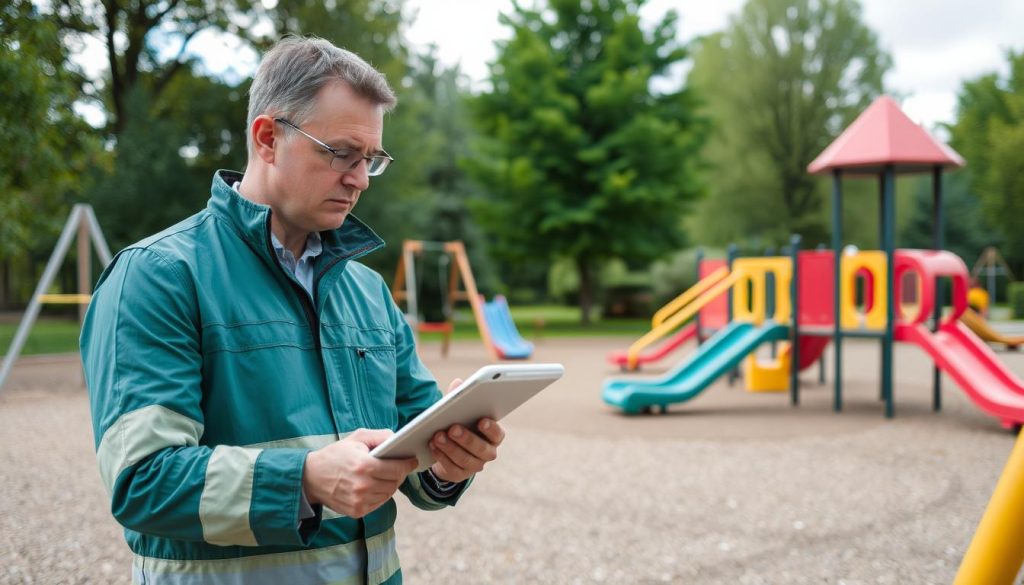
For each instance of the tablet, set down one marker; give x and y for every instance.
(492, 392)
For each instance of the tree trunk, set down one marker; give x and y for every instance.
(586, 289)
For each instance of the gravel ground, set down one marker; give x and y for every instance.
(730, 488)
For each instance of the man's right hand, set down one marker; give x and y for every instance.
(344, 476)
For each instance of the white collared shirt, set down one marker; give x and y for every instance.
(302, 269)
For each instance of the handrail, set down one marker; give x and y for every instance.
(688, 295)
(680, 317)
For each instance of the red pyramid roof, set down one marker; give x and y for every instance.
(884, 135)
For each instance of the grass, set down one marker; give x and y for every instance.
(550, 321)
(56, 335)
(48, 335)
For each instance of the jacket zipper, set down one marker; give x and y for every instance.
(361, 387)
(310, 311)
(309, 308)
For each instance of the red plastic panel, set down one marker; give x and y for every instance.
(715, 314)
(817, 288)
(931, 265)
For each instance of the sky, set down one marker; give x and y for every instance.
(935, 44)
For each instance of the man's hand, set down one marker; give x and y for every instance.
(344, 476)
(459, 453)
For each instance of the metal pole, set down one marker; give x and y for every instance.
(412, 310)
(730, 256)
(881, 246)
(98, 241)
(995, 554)
(794, 295)
(938, 245)
(890, 309)
(59, 252)
(696, 318)
(84, 268)
(837, 251)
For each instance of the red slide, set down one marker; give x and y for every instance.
(621, 358)
(974, 367)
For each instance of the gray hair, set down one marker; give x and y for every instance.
(295, 69)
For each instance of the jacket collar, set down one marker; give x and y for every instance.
(251, 221)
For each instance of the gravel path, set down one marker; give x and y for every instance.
(731, 488)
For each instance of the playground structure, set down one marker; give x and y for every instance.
(493, 318)
(81, 221)
(809, 298)
(880, 143)
(977, 323)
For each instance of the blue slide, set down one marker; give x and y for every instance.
(718, 355)
(504, 335)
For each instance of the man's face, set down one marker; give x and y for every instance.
(309, 195)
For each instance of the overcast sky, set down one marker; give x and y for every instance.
(935, 44)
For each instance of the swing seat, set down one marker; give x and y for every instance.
(445, 328)
(437, 327)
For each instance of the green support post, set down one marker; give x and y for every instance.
(890, 309)
(881, 246)
(696, 318)
(730, 257)
(837, 250)
(938, 245)
(794, 296)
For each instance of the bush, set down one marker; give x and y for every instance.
(1015, 292)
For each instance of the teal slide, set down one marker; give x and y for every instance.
(717, 356)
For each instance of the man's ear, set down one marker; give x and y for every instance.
(264, 138)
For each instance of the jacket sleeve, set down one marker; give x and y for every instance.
(416, 390)
(143, 364)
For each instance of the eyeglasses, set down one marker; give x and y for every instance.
(344, 160)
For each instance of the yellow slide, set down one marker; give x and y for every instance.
(982, 329)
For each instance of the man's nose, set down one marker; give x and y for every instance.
(359, 177)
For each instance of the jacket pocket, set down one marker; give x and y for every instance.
(376, 380)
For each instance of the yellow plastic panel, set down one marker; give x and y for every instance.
(851, 318)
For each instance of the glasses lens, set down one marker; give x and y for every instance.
(344, 164)
(377, 165)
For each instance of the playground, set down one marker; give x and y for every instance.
(735, 487)
(781, 365)
(755, 434)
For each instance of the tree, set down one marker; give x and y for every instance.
(127, 31)
(989, 133)
(584, 160)
(47, 147)
(966, 232)
(783, 79)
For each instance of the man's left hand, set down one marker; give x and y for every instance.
(459, 453)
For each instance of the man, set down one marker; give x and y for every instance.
(242, 364)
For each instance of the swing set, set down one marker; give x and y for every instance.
(493, 319)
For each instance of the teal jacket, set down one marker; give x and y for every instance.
(212, 373)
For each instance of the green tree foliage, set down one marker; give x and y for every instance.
(989, 133)
(126, 30)
(46, 146)
(966, 231)
(782, 81)
(584, 161)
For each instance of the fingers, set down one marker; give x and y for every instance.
(455, 384)
(392, 469)
(491, 431)
(465, 449)
(370, 437)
